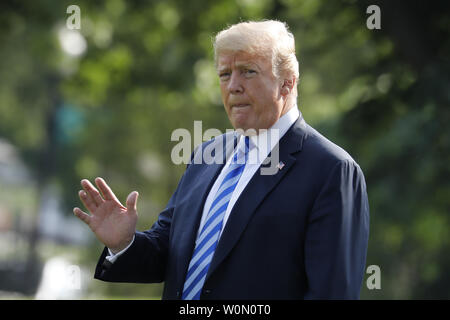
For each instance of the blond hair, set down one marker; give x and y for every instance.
(270, 39)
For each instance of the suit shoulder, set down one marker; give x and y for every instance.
(324, 150)
(324, 158)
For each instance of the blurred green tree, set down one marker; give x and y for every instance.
(148, 69)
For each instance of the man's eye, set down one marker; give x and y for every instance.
(224, 75)
(250, 71)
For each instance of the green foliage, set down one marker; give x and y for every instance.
(148, 70)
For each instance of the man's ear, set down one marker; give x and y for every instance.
(287, 86)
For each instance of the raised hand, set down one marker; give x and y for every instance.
(112, 223)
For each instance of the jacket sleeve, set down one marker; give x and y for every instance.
(337, 235)
(145, 260)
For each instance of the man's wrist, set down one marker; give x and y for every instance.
(114, 252)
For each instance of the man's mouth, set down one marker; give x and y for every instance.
(241, 105)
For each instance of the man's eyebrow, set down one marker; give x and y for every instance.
(243, 64)
(222, 69)
(247, 64)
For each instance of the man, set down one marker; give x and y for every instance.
(229, 231)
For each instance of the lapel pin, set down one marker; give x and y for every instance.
(280, 165)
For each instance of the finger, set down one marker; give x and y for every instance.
(92, 191)
(132, 202)
(106, 190)
(83, 216)
(88, 201)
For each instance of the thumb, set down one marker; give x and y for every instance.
(131, 201)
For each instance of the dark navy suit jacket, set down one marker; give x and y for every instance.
(301, 233)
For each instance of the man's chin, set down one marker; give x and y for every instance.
(248, 129)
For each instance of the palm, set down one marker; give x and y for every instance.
(112, 223)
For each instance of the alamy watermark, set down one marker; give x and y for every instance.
(374, 280)
(374, 20)
(222, 146)
(72, 278)
(74, 20)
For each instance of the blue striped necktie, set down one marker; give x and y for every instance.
(208, 238)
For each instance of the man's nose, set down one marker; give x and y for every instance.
(235, 84)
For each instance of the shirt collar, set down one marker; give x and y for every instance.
(275, 132)
(266, 140)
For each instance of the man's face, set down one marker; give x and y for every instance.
(250, 92)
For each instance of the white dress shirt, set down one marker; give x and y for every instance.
(260, 146)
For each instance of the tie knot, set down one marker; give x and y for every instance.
(243, 148)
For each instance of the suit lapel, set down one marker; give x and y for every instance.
(256, 191)
(189, 221)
